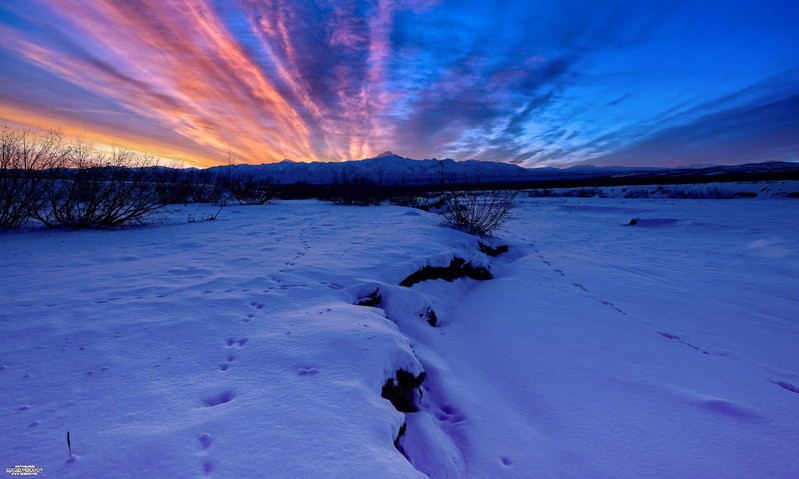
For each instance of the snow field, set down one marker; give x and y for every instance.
(236, 348)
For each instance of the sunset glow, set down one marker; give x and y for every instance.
(550, 84)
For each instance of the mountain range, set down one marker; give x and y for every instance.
(393, 170)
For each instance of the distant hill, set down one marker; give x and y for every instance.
(390, 169)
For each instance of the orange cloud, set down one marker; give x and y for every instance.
(176, 64)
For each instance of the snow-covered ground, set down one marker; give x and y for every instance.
(726, 190)
(234, 348)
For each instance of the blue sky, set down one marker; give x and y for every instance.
(546, 83)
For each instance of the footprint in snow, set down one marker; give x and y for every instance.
(679, 339)
(787, 386)
(219, 398)
(580, 286)
(608, 303)
(205, 440)
(450, 415)
(240, 342)
(729, 409)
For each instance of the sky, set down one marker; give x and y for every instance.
(534, 83)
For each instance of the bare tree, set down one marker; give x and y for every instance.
(27, 160)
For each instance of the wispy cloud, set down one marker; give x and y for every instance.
(748, 126)
(535, 84)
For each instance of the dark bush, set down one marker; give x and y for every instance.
(101, 190)
(174, 185)
(351, 189)
(249, 191)
(422, 200)
(206, 188)
(478, 212)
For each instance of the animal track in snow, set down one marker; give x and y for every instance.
(450, 415)
(226, 365)
(729, 409)
(608, 303)
(205, 441)
(286, 287)
(219, 398)
(256, 305)
(683, 341)
(236, 342)
(103, 301)
(580, 286)
(787, 386)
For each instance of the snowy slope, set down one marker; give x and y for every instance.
(234, 349)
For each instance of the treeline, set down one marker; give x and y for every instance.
(45, 178)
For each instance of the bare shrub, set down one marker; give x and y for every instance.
(206, 188)
(102, 190)
(478, 212)
(349, 188)
(173, 184)
(249, 191)
(408, 201)
(541, 193)
(422, 201)
(26, 163)
(698, 193)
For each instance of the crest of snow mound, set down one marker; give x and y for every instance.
(403, 306)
